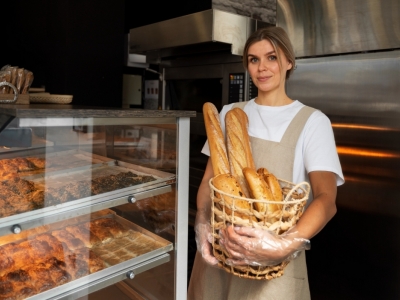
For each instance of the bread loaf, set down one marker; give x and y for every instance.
(228, 184)
(258, 189)
(238, 145)
(273, 184)
(216, 140)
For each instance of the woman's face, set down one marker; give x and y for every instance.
(264, 68)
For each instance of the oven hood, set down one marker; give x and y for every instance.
(206, 31)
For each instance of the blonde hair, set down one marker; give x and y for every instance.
(279, 39)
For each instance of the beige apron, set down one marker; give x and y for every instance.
(209, 283)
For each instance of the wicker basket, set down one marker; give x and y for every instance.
(50, 98)
(292, 207)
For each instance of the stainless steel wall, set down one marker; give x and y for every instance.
(360, 95)
(321, 27)
(348, 66)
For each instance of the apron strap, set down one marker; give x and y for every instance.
(240, 104)
(295, 127)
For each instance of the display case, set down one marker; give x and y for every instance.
(93, 199)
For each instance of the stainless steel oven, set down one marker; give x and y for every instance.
(199, 58)
(188, 88)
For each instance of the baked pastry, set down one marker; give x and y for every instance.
(238, 145)
(57, 270)
(57, 248)
(36, 249)
(272, 183)
(227, 183)
(116, 229)
(103, 234)
(76, 267)
(40, 277)
(37, 162)
(19, 255)
(259, 189)
(94, 262)
(84, 234)
(6, 262)
(72, 243)
(216, 140)
(17, 284)
(18, 186)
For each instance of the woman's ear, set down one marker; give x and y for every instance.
(289, 66)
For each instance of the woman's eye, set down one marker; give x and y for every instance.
(253, 60)
(272, 57)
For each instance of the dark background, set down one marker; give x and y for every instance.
(78, 47)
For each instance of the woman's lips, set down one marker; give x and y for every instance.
(263, 79)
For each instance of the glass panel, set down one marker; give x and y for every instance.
(68, 189)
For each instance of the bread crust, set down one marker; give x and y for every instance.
(258, 189)
(216, 140)
(238, 145)
(227, 183)
(273, 184)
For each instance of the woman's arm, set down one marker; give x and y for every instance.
(203, 193)
(203, 217)
(322, 209)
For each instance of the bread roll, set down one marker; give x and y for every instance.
(273, 183)
(216, 140)
(259, 189)
(238, 145)
(227, 183)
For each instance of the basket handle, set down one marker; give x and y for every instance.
(297, 186)
(13, 88)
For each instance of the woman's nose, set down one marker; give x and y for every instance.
(262, 65)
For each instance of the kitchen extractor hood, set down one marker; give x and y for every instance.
(205, 31)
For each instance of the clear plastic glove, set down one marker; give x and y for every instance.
(204, 239)
(259, 247)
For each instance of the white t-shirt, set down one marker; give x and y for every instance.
(315, 149)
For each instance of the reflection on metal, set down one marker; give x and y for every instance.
(183, 210)
(81, 122)
(364, 152)
(359, 93)
(322, 27)
(206, 26)
(355, 85)
(364, 127)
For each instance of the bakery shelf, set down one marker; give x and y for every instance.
(77, 166)
(157, 253)
(100, 280)
(72, 209)
(89, 163)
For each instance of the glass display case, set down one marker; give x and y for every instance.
(93, 199)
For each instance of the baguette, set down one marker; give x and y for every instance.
(259, 189)
(273, 184)
(227, 183)
(238, 145)
(216, 140)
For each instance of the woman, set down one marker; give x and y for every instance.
(295, 143)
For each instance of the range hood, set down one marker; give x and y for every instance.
(206, 31)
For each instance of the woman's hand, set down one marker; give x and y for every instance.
(204, 239)
(202, 225)
(259, 247)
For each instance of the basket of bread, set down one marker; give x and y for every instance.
(14, 84)
(245, 196)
